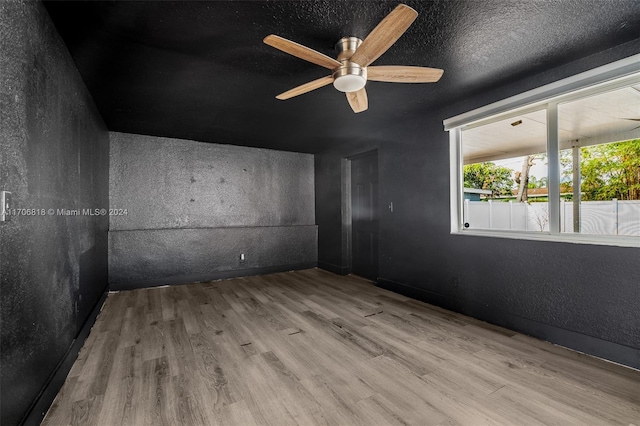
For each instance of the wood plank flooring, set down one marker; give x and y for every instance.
(314, 348)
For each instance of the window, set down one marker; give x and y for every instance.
(600, 163)
(506, 160)
(561, 162)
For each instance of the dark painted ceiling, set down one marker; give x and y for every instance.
(199, 70)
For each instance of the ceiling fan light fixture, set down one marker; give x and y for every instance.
(350, 77)
(349, 83)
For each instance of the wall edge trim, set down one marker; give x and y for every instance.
(211, 228)
(336, 269)
(572, 340)
(41, 405)
(212, 276)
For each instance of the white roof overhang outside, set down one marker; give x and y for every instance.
(606, 117)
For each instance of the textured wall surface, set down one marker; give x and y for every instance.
(192, 208)
(54, 154)
(582, 296)
(139, 258)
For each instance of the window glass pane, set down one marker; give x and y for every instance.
(505, 174)
(600, 163)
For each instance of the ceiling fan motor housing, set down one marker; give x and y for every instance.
(349, 77)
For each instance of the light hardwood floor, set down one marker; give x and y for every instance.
(311, 347)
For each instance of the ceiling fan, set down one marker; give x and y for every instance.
(351, 70)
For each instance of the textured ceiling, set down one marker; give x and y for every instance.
(199, 70)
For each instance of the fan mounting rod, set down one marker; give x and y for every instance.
(349, 76)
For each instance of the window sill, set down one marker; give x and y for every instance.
(603, 240)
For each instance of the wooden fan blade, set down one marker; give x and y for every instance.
(358, 100)
(384, 35)
(401, 74)
(307, 87)
(300, 51)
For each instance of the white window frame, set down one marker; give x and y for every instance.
(607, 77)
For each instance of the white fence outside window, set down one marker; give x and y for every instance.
(596, 217)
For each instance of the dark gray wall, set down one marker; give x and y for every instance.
(582, 296)
(54, 154)
(193, 207)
